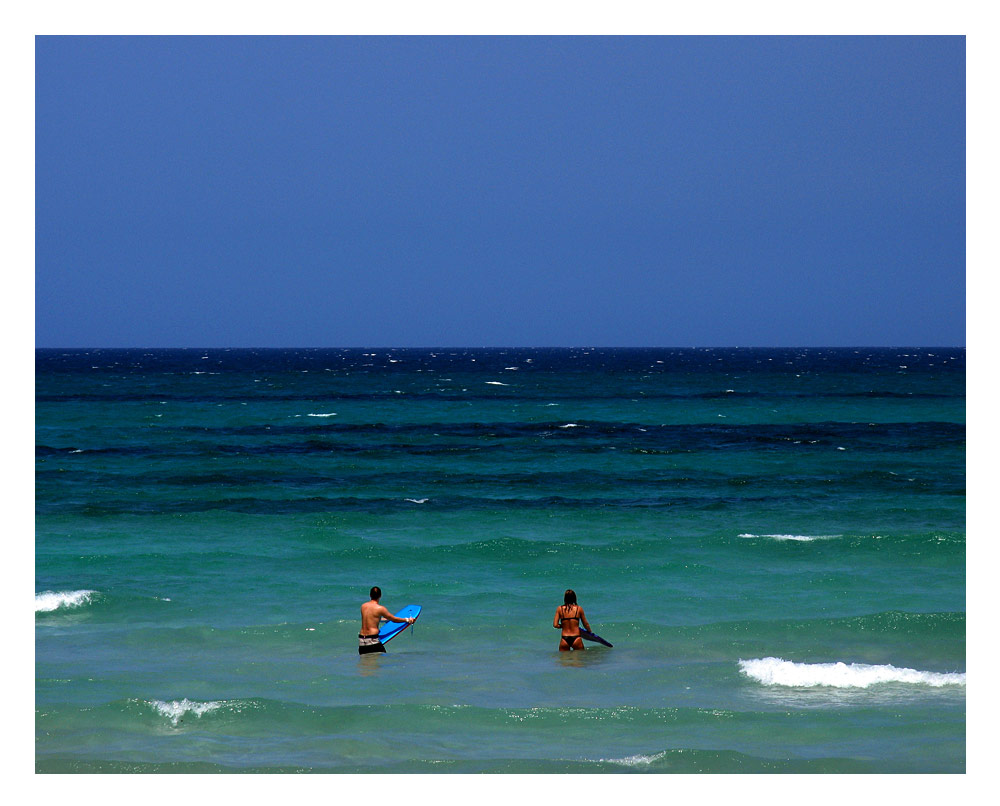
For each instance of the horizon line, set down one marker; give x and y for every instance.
(535, 347)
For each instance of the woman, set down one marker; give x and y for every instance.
(569, 616)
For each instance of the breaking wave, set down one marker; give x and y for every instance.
(778, 672)
(48, 601)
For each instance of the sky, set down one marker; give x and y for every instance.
(406, 191)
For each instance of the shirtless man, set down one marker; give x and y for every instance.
(372, 613)
(569, 617)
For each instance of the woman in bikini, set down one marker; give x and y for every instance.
(569, 617)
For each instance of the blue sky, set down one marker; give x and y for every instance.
(500, 191)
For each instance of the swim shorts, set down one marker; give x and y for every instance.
(369, 643)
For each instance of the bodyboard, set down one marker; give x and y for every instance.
(587, 635)
(391, 629)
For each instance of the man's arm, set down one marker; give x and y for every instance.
(384, 613)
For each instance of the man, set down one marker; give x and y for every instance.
(372, 613)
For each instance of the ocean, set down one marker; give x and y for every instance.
(772, 539)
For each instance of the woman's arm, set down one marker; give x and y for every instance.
(556, 621)
(583, 620)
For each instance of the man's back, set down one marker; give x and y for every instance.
(371, 614)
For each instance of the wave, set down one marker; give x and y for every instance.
(634, 761)
(464, 396)
(48, 601)
(273, 506)
(778, 672)
(175, 710)
(801, 538)
(674, 761)
(584, 436)
(328, 737)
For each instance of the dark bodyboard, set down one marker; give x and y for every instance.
(587, 635)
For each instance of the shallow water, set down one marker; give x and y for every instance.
(774, 541)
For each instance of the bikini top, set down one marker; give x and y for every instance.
(563, 618)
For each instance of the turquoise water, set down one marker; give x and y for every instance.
(773, 540)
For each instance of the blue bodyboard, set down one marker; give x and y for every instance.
(391, 629)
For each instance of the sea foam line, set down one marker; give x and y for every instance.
(634, 761)
(778, 672)
(48, 601)
(802, 538)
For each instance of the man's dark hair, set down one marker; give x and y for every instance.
(569, 597)
(375, 593)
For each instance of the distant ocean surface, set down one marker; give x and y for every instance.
(773, 540)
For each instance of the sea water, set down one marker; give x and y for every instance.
(773, 540)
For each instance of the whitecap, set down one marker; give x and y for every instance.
(176, 709)
(636, 760)
(497, 383)
(801, 538)
(327, 414)
(417, 500)
(570, 425)
(53, 600)
(778, 672)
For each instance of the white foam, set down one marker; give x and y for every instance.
(328, 414)
(801, 538)
(635, 761)
(570, 425)
(417, 500)
(778, 672)
(52, 600)
(176, 709)
(497, 383)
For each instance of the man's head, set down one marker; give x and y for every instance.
(375, 593)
